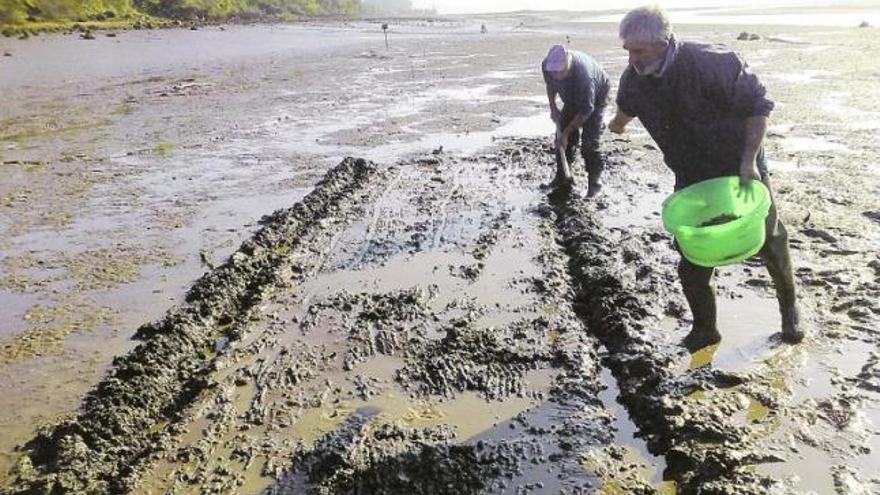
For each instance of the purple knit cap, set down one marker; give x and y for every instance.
(557, 59)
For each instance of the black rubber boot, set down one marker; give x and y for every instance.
(777, 257)
(699, 290)
(594, 186)
(594, 163)
(792, 331)
(700, 337)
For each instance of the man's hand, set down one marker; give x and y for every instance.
(756, 127)
(555, 114)
(747, 172)
(619, 122)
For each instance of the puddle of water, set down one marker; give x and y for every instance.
(756, 412)
(468, 413)
(315, 422)
(504, 264)
(464, 143)
(472, 415)
(15, 305)
(413, 105)
(304, 139)
(379, 367)
(823, 371)
(503, 300)
(746, 325)
(703, 356)
(506, 74)
(625, 430)
(809, 470)
(531, 126)
(817, 373)
(400, 272)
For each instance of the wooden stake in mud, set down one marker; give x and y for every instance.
(385, 31)
(563, 171)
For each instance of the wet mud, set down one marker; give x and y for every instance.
(622, 291)
(272, 377)
(121, 419)
(430, 321)
(438, 388)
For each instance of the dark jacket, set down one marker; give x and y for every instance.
(585, 89)
(696, 109)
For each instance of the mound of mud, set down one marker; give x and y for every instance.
(385, 458)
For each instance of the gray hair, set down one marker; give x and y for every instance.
(650, 23)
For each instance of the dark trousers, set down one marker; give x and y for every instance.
(699, 288)
(588, 136)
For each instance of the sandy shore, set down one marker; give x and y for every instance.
(427, 319)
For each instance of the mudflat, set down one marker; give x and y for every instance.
(288, 259)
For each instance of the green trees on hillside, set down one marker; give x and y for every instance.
(23, 11)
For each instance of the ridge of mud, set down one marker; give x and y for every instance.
(124, 417)
(394, 371)
(621, 290)
(369, 454)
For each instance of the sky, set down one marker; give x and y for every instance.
(474, 6)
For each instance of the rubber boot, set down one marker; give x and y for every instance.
(777, 257)
(594, 186)
(699, 290)
(594, 163)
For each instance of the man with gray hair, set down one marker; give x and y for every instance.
(708, 113)
(583, 86)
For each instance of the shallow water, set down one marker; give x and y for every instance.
(626, 433)
(68, 59)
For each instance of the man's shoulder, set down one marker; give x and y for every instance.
(698, 50)
(583, 58)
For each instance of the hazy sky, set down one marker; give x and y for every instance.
(469, 6)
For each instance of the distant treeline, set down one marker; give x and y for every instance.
(14, 12)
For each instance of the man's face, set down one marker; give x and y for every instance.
(560, 75)
(645, 56)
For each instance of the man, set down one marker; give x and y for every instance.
(708, 114)
(583, 87)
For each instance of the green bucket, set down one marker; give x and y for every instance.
(718, 222)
